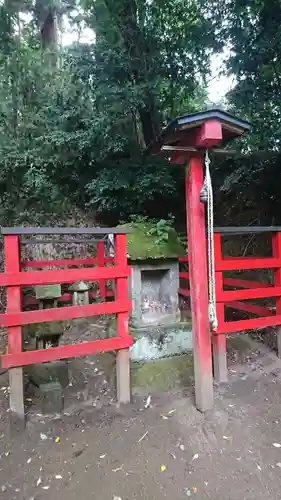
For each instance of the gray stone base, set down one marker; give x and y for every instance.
(45, 373)
(49, 379)
(156, 342)
(52, 398)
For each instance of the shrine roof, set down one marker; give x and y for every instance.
(181, 130)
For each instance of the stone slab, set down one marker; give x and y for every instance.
(52, 398)
(44, 292)
(161, 342)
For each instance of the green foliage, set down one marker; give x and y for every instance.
(73, 132)
(161, 231)
(253, 31)
(152, 238)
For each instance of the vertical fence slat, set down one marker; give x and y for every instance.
(14, 305)
(121, 283)
(276, 249)
(123, 355)
(219, 341)
(101, 263)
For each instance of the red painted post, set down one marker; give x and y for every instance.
(122, 321)
(197, 253)
(276, 247)
(101, 263)
(14, 305)
(219, 341)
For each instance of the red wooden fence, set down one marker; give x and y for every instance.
(14, 278)
(244, 289)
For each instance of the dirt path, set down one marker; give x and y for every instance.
(166, 451)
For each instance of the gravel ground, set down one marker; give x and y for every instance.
(96, 450)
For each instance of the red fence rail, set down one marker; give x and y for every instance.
(14, 278)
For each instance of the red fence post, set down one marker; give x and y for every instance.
(14, 305)
(122, 321)
(101, 263)
(197, 253)
(276, 247)
(219, 341)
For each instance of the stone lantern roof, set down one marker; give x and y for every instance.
(80, 286)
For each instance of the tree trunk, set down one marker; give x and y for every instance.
(125, 15)
(47, 21)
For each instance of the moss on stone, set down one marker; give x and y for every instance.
(149, 239)
(162, 374)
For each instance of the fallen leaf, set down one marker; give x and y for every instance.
(7, 453)
(145, 434)
(118, 469)
(57, 440)
(194, 489)
(276, 445)
(163, 468)
(43, 436)
(148, 402)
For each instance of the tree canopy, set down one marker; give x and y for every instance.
(76, 119)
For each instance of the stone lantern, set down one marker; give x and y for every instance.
(80, 291)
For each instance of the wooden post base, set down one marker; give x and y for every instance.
(278, 338)
(219, 359)
(204, 391)
(17, 415)
(123, 376)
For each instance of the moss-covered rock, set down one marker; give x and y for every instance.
(162, 374)
(150, 239)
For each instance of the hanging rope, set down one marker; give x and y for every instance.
(207, 195)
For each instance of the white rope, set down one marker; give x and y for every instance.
(207, 188)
